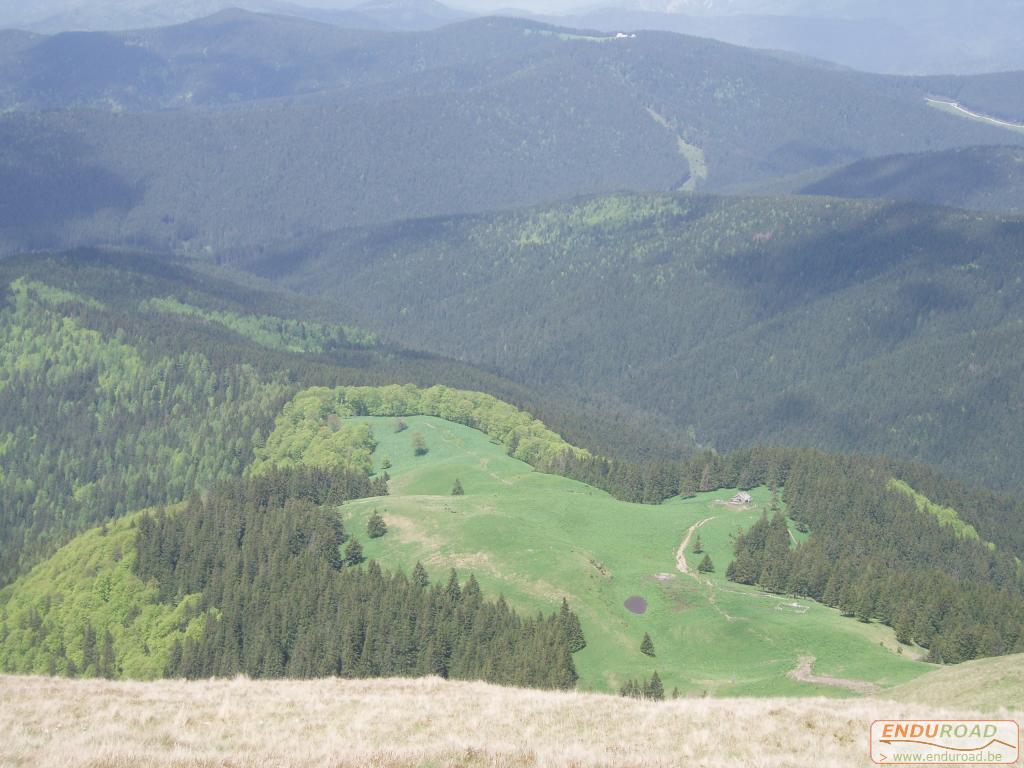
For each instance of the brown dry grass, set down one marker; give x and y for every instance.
(54, 722)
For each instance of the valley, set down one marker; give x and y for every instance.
(393, 385)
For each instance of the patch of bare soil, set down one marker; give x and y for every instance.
(804, 674)
(681, 552)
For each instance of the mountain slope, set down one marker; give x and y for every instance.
(534, 538)
(888, 38)
(55, 16)
(986, 685)
(796, 321)
(976, 178)
(99, 347)
(370, 128)
(367, 723)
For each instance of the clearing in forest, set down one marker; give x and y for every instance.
(536, 537)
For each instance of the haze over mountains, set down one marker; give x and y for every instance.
(334, 158)
(387, 340)
(953, 36)
(243, 131)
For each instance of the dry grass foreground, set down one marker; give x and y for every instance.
(426, 722)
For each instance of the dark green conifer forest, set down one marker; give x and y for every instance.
(279, 599)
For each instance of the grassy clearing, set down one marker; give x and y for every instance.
(537, 537)
(945, 515)
(425, 722)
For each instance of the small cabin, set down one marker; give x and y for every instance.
(742, 498)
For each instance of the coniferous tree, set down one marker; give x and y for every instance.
(419, 575)
(570, 623)
(375, 526)
(354, 552)
(863, 602)
(698, 548)
(304, 613)
(705, 565)
(88, 648)
(457, 489)
(647, 645)
(654, 688)
(107, 662)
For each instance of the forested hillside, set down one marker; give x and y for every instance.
(128, 138)
(879, 327)
(874, 554)
(976, 178)
(168, 599)
(127, 382)
(159, 593)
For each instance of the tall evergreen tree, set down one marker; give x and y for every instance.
(647, 645)
(419, 575)
(570, 624)
(375, 526)
(354, 552)
(654, 688)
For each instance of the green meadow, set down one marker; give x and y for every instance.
(536, 537)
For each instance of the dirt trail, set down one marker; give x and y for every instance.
(681, 552)
(804, 674)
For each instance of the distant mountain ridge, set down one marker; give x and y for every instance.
(95, 15)
(977, 178)
(907, 38)
(127, 138)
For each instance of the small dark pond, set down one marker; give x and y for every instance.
(636, 604)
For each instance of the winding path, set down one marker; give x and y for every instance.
(681, 552)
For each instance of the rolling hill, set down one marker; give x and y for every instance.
(320, 128)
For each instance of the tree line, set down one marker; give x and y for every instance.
(279, 600)
(875, 556)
